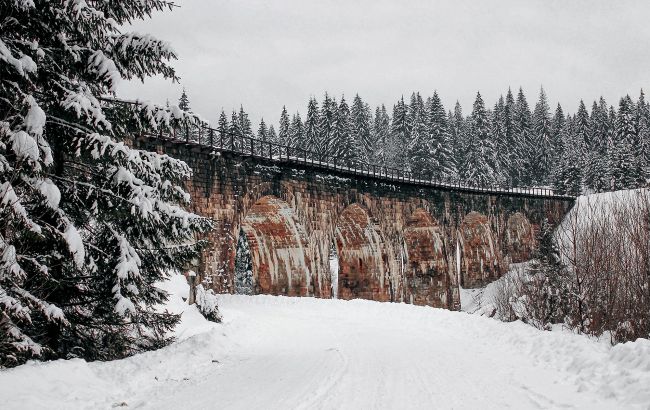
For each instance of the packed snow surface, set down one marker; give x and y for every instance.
(285, 353)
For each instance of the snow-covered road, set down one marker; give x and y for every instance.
(286, 353)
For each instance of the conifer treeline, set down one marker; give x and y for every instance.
(507, 145)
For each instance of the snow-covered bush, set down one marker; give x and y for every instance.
(88, 223)
(591, 275)
(206, 301)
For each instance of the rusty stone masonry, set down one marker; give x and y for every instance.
(396, 241)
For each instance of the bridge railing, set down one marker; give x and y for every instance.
(226, 141)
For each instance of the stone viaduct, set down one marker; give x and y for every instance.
(397, 238)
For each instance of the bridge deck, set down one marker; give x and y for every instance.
(282, 155)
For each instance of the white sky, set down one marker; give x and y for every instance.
(266, 54)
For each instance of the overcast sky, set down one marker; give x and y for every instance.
(266, 54)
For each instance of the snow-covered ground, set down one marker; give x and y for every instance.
(284, 353)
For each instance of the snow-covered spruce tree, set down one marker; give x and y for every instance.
(245, 126)
(326, 127)
(297, 135)
(88, 224)
(596, 175)
(361, 120)
(643, 128)
(222, 128)
(459, 132)
(567, 176)
(443, 166)
(312, 131)
(263, 132)
(243, 266)
(523, 147)
(380, 136)
(623, 165)
(479, 157)
(542, 143)
(399, 137)
(498, 132)
(283, 131)
(234, 135)
(344, 146)
(419, 148)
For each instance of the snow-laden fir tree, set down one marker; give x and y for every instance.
(243, 266)
(396, 149)
(443, 166)
(361, 124)
(245, 126)
(88, 223)
(223, 128)
(312, 132)
(419, 148)
(511, 157)
(263, 132)
(542, 152)
(498, 132)
(479, 155)
(297, 136)
(344, 147)
(596, 176)
(459, 135)
(567, 176)
(283, 131)
(273, 139)
(557, 125)
(643, 129)
(522, 148)
(381, 136)
(234, 139)
(326, 127)
(624, 168)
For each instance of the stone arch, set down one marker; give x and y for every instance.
(361, 259)
(427, 270)
(520, 238)
(481, 260)
(279, 252)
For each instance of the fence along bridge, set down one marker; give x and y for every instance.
(399, 235)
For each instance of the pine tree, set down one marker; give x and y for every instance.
(459, 131)
(283, 131)
(245, 126)
(567, 177)
(498, 132)
(442, 157)
(512, 157)
(263, 132)
(223, 128)
(479, 153)
(399, 137)
(344, 148)
(381, 136)
(596, 178)
(542, 152)
(522, 150)
(312, 131)
(243, 267)
(234, 132)
(623, 166)
(420, 160)
(361, 119)
(327, 124)
(642, 151)
(184, 102)
(556, 135)
(297, 135)
(88, 222)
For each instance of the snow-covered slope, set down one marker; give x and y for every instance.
(283, 353)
